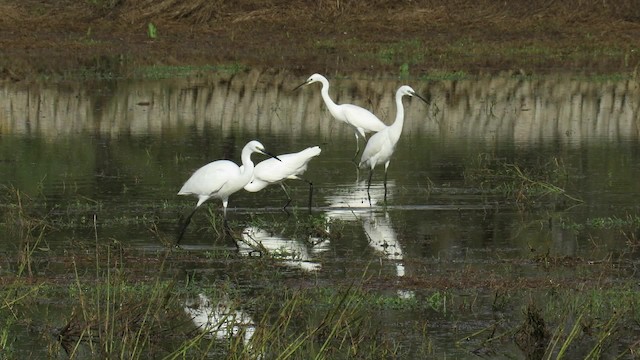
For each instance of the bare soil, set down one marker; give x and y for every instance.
(40, 37)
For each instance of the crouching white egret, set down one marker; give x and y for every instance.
(220, 179)
(290, 166)
(362, 120)
(382, 144)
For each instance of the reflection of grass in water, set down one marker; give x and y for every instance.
(523, 185)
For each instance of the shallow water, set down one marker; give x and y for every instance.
(106, 157)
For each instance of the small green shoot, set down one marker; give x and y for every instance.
(152, 31)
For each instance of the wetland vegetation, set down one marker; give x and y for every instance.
(511, 230)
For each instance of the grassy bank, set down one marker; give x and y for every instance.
(410, 39)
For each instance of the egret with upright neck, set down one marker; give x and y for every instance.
(361, 120)
(382, 144)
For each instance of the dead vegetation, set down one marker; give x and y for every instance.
(457, 12)
(327, 36)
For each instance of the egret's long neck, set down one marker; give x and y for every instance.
(333, 107)
(247, 165)
(397, 125)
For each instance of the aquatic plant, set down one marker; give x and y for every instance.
(525, 185)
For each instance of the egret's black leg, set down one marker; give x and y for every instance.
(184, 226)
(385, 186)
(227, 229)
(369, 186)
(228, 234)
(288, 197)
(310, 194)
(310, 191)
(355, 156)
(284, 208)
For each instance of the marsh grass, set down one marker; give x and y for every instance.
(336, 323)
(589, 323)
(115, 308)
(118, 302)
(523, 185)
(613, 228)
(114, 315)
(113, 311)
(565, 324)
(116, 319)
(25, 228)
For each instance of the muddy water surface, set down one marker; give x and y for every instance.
(489, 175)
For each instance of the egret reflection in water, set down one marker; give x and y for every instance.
(293, 253)
(383, 239)
(350, 202)
(220, 320)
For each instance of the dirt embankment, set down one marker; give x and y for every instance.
(42, 37)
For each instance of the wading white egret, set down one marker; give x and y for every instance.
(290, 166)
(220, 179)
(362, 120)
(382, 144)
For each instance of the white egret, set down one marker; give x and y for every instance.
(362, 120)
(220, 179)
(382, 144)
(290, 166)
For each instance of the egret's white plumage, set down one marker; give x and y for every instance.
(382, 144)
(290, 166)
(220, 179)
(362, 120)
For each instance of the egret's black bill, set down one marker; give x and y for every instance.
(299, 86)
(421, 98)
(270, 154)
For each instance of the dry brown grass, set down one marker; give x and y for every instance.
(193, 11)
(456, 11)
(200, 11)
(469, 35)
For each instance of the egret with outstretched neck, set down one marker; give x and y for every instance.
(361, 120)
(290, 166)
(382, 144)
(220, 179)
